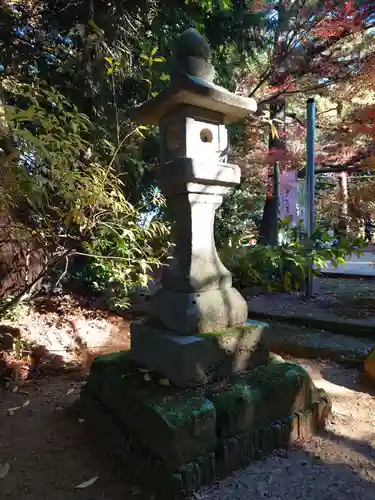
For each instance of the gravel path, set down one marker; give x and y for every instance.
(339, 465)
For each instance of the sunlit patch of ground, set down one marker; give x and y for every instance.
(339, 464)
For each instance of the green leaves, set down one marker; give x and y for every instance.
(284, 268)
(73, 192)
(95, 28)
(35, 142)
(210, 5)
(111, 65)
(150, 59)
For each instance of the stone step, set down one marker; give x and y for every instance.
(268, 307)
(300, 341)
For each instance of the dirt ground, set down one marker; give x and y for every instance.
(46, 453)
(352, 299)
(339, 464)
(63, 332)
(72, 330)
(49, 453)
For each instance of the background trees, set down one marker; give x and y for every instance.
(80, 174)
(321, 49)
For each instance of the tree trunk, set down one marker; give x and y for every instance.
(268, 231)
(265, 229)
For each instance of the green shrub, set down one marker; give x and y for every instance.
(285, 267)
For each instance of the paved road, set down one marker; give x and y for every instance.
(364, 265)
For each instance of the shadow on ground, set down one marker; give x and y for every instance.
(49, 454)
(355, 379)
(364, 447)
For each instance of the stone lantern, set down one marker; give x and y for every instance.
(196, 296)
(198, 395)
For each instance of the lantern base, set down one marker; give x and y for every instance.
(192, 313)
(193, 360)
(174, 440)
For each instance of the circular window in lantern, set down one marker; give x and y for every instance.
(206, 135)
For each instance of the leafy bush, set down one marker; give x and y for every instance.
(285, 267)
(68, 193)
(111, 279)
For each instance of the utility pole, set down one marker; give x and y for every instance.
(310, 186)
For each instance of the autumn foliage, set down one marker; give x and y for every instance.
(316, 49)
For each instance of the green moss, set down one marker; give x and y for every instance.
(262, 396)
(275, 358)
(238, 394)
(236, 332)
(235, 408)
(230, 452)
(184, 437)
(175, 410)
(118, 364)
(276, 375)
(176, 424)
(117, 374)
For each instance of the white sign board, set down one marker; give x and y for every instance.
(288, 196)
(301, 201)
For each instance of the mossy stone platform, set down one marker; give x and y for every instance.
(174, 440)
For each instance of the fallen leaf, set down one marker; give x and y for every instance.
(15, 388)
(12, 410)
(147, 377)
(144, 370)
(165, 382)
(70, 391)
(15, 408)
(369, 473)
(88, 483)
(4, 469)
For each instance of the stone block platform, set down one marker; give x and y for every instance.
(193, 360)
(174, 440)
